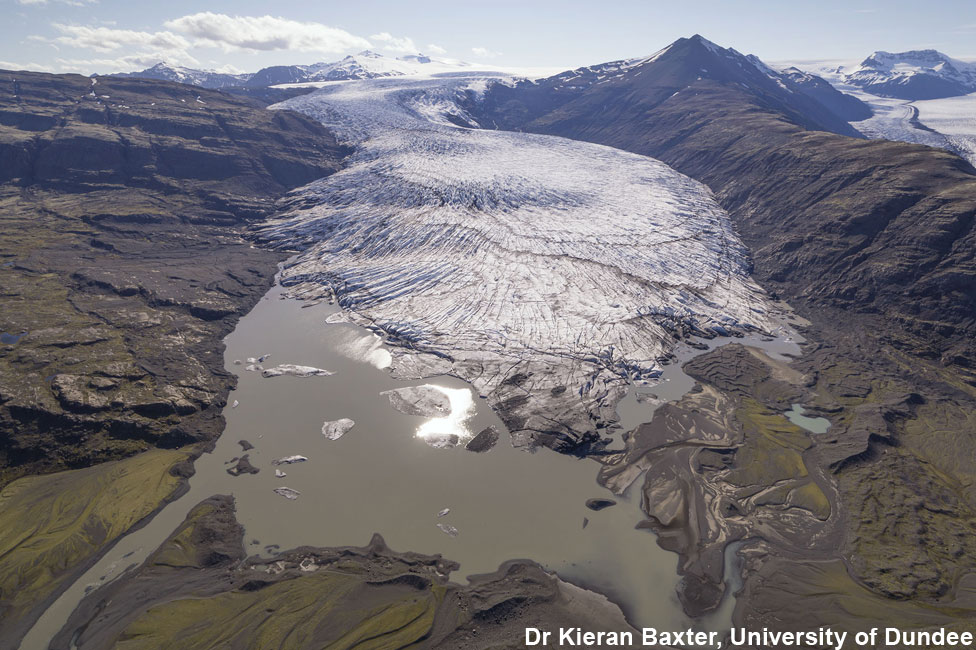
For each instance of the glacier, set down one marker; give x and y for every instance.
(550, 274)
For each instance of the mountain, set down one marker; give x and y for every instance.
(364, 65)
(817, 88)
(621, 91)
(873, 227)
(203, 78)
(277, 74)
(914, 75)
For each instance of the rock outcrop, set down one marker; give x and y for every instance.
(122, 261)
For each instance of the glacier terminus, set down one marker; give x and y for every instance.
(549, 273)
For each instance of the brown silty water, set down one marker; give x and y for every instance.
(382, 477)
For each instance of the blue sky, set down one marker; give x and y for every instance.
(108, 36)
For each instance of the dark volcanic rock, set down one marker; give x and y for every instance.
(484, 440)
(243, 466)
(599, 504)
(245, 445)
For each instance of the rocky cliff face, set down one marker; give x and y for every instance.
(121, 263)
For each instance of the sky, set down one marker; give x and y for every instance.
(104, 36)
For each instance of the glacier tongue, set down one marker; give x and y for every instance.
(547, 272)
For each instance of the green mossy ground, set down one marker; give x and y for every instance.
(50, 525)
(311, 611)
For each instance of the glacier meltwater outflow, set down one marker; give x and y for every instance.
(549, 273)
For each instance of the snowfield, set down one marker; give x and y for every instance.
(549, 273)
(954, 118)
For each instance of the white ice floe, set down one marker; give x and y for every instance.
(546, 272)
(280, 474)
(287, 492)
(444, 512)
(235, 404)
(295, 371)
(426, 401)
(335, 429)
(288, 460)
(449, 529)
(441, 440)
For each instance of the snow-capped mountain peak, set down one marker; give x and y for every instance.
(180, 74)
(916, 74)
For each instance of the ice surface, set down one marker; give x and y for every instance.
(426, 401)
(295, 371)
(288, 460)
(546, 272)
(335, 429)
(287, 492)
(449, 529)
(955, 118)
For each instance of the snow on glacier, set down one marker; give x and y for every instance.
(549, 273)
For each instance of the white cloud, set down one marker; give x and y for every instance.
(264, 33)
(37, 67)
(107, 39)
(126, 63)
(484, 52)
(391, 43)
(41, 3)
(435, 49)
(225, 68)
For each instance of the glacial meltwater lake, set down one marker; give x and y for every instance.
(381, 477)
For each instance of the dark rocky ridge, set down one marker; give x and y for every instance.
(123, 203)
(610, 101)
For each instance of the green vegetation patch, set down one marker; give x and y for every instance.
(324, 610)
(50, 525)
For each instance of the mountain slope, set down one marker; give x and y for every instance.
(877, 227)
(623, 91)
(127, 195)
(914, 75)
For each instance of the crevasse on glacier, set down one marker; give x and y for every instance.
(547, 272)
